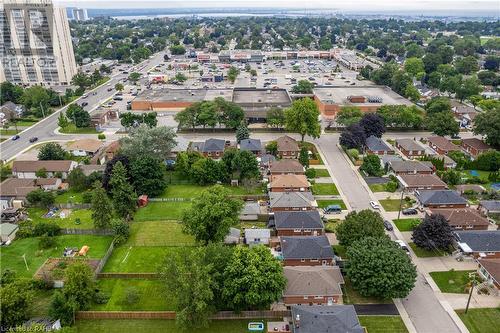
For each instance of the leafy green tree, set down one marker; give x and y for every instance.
(78, 115)
(304, 157)
(10, 92)
(488, 161)
(180, 77)
(468, 87)
(207, 171)
(123, 196)
(63, 308)
(134, 77)
(302, 117)
(272, 147)
(242, 133)
(156, 142)
(16, 303)
(232, 74)
(379, 268)
(81, 80)
(121, 230)
(412, 93)
(434, 233)
(77, 180)
(119, 87)
(450, 177)
(211, 215)
(414, 66)
(437, 105)
(51, 151)
(466, 65)
(62, 121)
(276, 117)
(148, 175)
(371, 166)
(36, 99)
(443, 123)
(253, 279)
(177, 49)
(372, 124)
(303, 87)
(349, 115)
(353, 137)
(41, 198)
(79, 284)
(358, 225)
(102, 210)
(245, 164)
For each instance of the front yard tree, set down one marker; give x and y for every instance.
(302, 117)
(304, 157)
(379, 268)
(488, 124)
(102, 210)
(443, 123)
(51, 151)
(434, 233)
(211, 215)
(358, 225)
(122, 192)
(353, 137)
(156, 142)
(371, 166)
(242, 133)
(373, 124)
(15, 305)
(253, 279)
(148, 175)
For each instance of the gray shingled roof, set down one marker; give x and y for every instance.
(313, 280)
(326, 319)
(409, 166)
(306, 247)
(292, 220)
(251, 145)
(409, 144)
(439, 197)
(491, 205)
(213, 145)
(480, 241)
(376, 144)
(291, 199)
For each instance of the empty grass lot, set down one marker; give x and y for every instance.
(325, 189)
(392, 205)
(139, 259)
(150, 295)
(406, 224)
(85, 216)
(322, 173)
(383, 324)
(191, 191)
(158, 233)
(251, 224)
(452, 281)
(11, 256)
(162, 210)
(159, 325)
(423, 253)
(325, 203)
(481, 320)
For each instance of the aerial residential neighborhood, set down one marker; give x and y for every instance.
(285, 167)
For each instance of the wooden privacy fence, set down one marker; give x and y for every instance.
(127, 276)
(222, 315)
(105, 258)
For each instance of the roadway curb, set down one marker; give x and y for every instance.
(404, 316)
(453, 315)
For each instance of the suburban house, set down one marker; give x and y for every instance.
(422, 182)
(286, 167)
(266, 160)
(295, 201)
(181, 144)
(257, 236)
(251, 145)
(15, 189)
(441, 145)
(289, 183)
(85, 147)
(8, 231)
(411, 167)
(448, 162)
(325, 319)
(410, 148)
(489, 208)
(233, 237)
(250, 211)
(484, 244)
(440, 199)
(287, 147)
(49, 184)
(489, 270)
(377, 146)
(474, 146)
(313, 285)
(306, 251)
(462, 218)
(28, 169)
(306, 223)
(213, 148)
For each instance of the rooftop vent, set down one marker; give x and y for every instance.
(374, 99)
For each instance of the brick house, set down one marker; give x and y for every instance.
(213, 148)
(440, 199)
(337, 318)
(289, 183)
(306, 223)
(410, 148)
(489, 270)
(411, 167)
(442, 145)
(291, 201)
(313, 285)
(286, 167)
(462, 218)
(287, 147)
(484, 244)
(306, 251)
(474, 146)
(251, 145)
(377, 146)
(422, 182)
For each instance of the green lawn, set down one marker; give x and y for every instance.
(159, 325)
(24, 123)
(351, 296)
(452, 281)
(151, 296)
(11, 256)
(383, 324)
(158, 233)
(72, 129)
(325, 203)
(422, 253)
(481, 174)
(325, 189)
(377, 187)
(162, 210)
(85, 216)
(392, 205)
(322, 173)
(406, 224)
(481, 320)
(12, 131)
(69, 196)
(139, 259)
(191, 190)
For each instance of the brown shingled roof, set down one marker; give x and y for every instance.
(492, 266)
(442, 143)
(17, 187)
(286, 143)
(422, 180)
(33, 166)
(289, 181)
(313, 280)
(286, 165)
(476, 143)
(461, 216)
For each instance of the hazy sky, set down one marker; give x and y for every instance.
(352, 5)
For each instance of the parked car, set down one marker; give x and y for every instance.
(110, 89)
(374, 205)
(332, 209)
(410, 211)
(84, 104)
(33, 139)
(85, 95)
(15, 137)
(388, 225)
(402, 245)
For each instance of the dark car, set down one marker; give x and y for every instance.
(410, 211)
(15, 137)
(84, 104)
(388, 225)
(33, 139)
(110, 89)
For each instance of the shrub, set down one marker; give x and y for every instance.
(101, 136)
(391, 186)
(101, 297)
(46, 242)
(131, 296)
(121, 230)
(311, 173)
(49, 229)
(353, 153)
(87, 197)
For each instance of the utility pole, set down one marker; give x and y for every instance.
(470, 295)
(401, 202)
(41, 107)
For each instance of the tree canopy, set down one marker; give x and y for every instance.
(358, 225)
(156, 142)
(434, 233)
(52, 151)
(302, 117)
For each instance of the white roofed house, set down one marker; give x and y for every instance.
(257, 236)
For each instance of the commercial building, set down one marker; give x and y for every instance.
(257, 102)
(367, 98)
(36, 44)
(79, 14)
(241, 56)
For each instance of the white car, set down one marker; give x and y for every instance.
(374, 205)
(402, 245)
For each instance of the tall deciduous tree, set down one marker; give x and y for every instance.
(379, 268)
(51, 151)
(434, 233)
(102, 210)
(211, 215)
(371, 165)
(303, 87)
(148, 175)
(437, 105)
(443, 123)
(302, 117)
(156, 142)
(16, 302)
(304, 157)
(358, 225)
(349, 115)
(123, 196)
(353, 137)
(373, 124)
